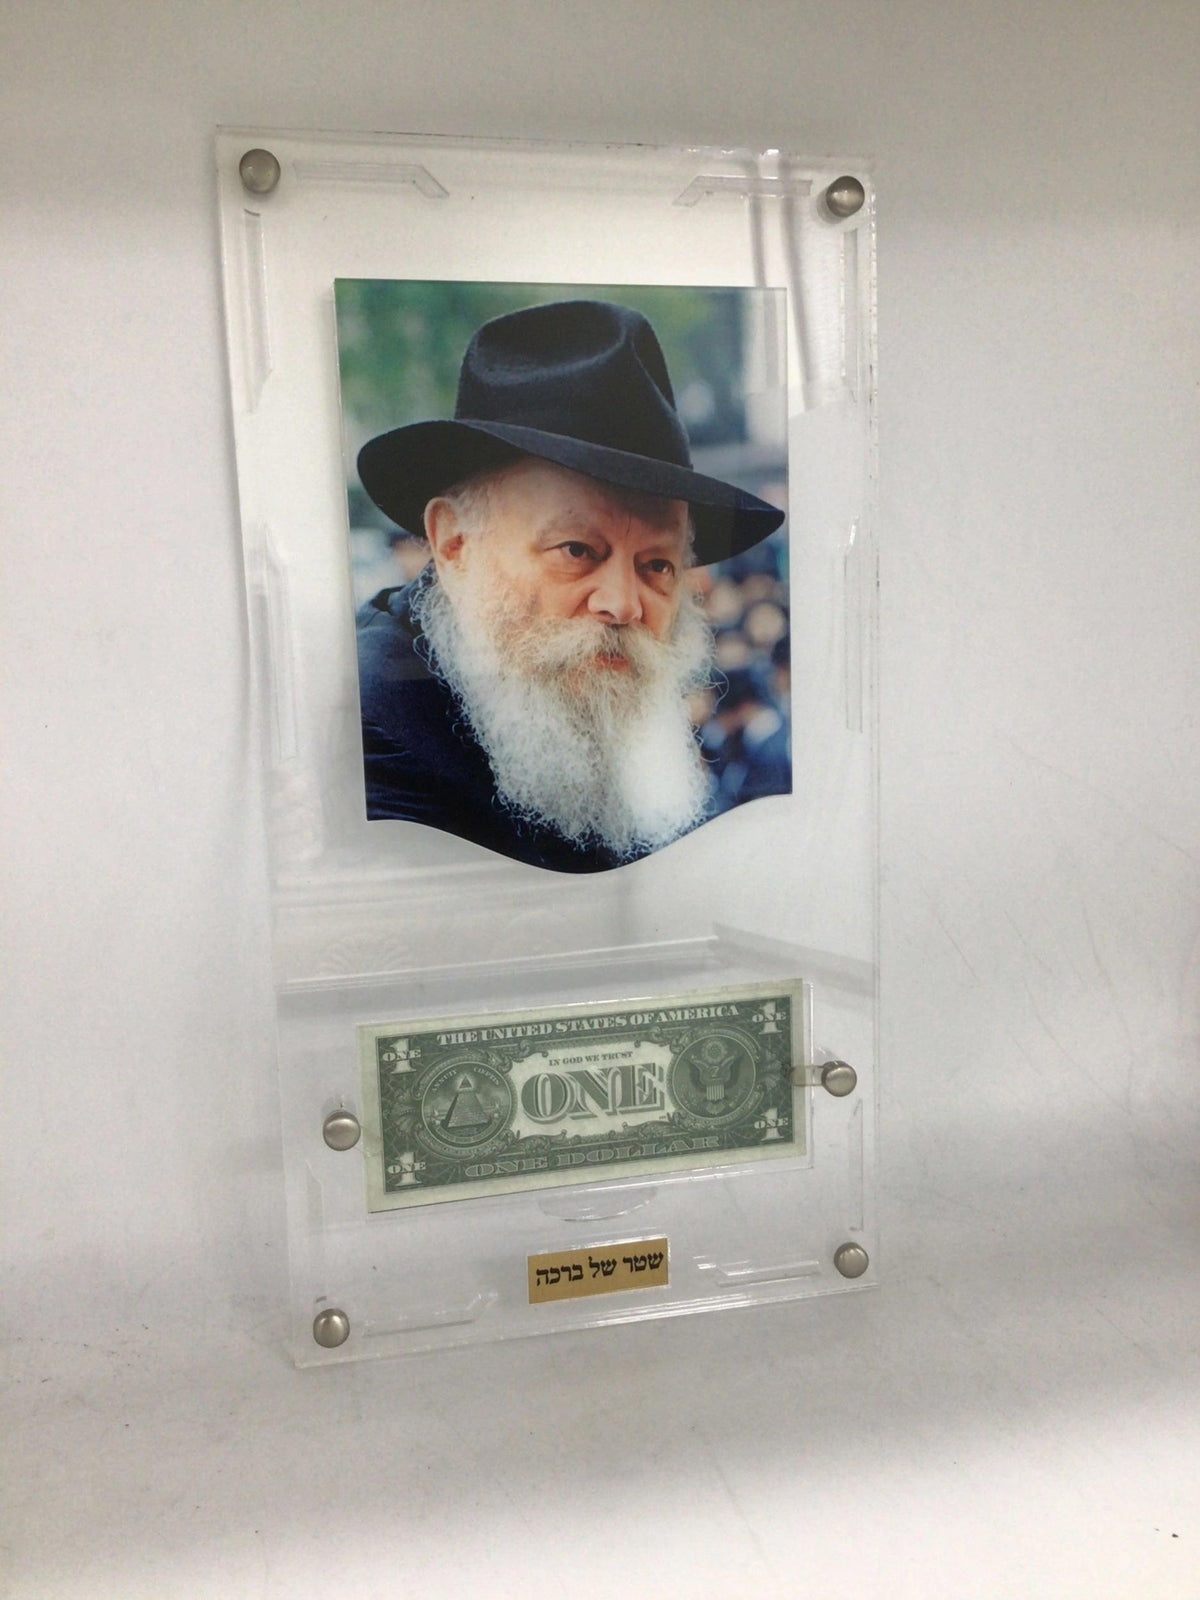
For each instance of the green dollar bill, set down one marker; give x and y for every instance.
(461, 1107)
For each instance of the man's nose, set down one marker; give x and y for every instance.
(616, 599)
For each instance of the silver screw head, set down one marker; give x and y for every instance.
(331, 1328)
(844, 197)
(259, 171)
(341, 1130)
(839, 1078)
(851, 1260)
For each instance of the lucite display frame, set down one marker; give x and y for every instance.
(394, 921)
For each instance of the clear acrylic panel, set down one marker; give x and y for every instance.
(380, 920)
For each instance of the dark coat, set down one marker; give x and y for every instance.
(422, 762)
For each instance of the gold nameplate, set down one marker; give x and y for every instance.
(604, 1269)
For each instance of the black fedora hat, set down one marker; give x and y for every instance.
(583, 384)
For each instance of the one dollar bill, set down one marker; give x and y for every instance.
(461, 1107)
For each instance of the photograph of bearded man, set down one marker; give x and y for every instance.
(546, 684)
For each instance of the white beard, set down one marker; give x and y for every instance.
(603, 756)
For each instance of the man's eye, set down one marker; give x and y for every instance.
(576, 550)
(661, 566)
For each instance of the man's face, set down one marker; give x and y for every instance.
(563, 621)
(560, 545)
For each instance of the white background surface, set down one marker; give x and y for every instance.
(1013, 1413)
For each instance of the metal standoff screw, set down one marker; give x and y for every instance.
(844, 197)
(851, 1260)
(341, 1130)
(331, 1328)
(260, 171)
(839, 1078)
